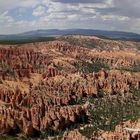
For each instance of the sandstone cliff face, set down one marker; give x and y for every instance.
(111, 82)
(52, 105)
(31, 112)
(36, 60)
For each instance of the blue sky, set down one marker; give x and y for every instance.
(21, 13)
(24, 15)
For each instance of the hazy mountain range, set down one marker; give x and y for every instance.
(42, 34)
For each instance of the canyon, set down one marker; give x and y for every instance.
(49, 88)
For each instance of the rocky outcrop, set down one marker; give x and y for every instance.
(51, 105)
(56, 90)
(73, 135)
(122, 133)
(38, 118)
(32, 112)
(109, 82)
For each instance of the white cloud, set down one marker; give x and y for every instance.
(114, 17)
(50, 14)
(10, 4)
(5, 19)
(39, 11)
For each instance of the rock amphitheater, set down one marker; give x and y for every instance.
(44, 87)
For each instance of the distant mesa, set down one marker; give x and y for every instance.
(40, 35)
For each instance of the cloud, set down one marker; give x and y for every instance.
(39, 11)
(4, 18)
(11, 4)
(126, 8)
(79, 1)
(111, 17)
(24, 15)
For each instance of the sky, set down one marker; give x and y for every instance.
(18, 16)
